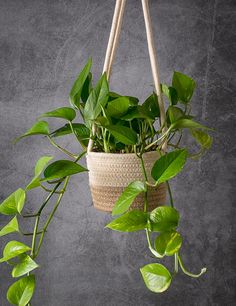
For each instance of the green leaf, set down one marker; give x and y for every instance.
(13, 249)
(127, 197)
(174, 113)
(102, 121)
(138, 112)
(169, 165)
(184, 86)
(202, 138)
(62, 112)
(60, 169)
(168, 243)
(81, 131)
(39, 128)
(118, 107)
(123, 134)
(132, 221)
(21, 292)
(187, 123)
(133, 101)
(11, 227)
(171, 93)
(25, 265)
(86, 88)
(113, 95)
(14, 203)
(76, 91)
(156, 277)
(39, 167)
(150, 106)
(163, 218)
(97, 99)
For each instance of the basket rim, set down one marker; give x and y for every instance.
(119, 154)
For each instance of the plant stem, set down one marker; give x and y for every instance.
(163, 137)
(31, 234)
(170, 194)
(180, 137)
(49, 190)
(145, 209)
(189, 273)
(73, 131)
(71, 155)
(176, 263)
(36, 225)
(146, 179)
(51, 216)
(38, 214)
(34, 235)
(48, 198)
(173, 145)
(30, 216)
(80, 156)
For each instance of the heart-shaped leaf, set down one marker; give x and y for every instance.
(163, 218)
(39, 167)
(62, 112)
(132, 221)
(187, 123)
(76, 91)
(86, 88)
(174, 113)
(171, 93)
(202, 138)
(14, 203)
(156, 277)
(102, 121)
(169, 165)
(60, 169)
(123, 134)
(113, 95)
(133, 101)
(39, 128)
(21, 292)
(13, 249)
(127, 197)
(150, 106)
(97, 100)
(80, 129)
(138, 112)
(11, 227)
(25, 265)
(184, 86)
(118, 107)
(168, 243)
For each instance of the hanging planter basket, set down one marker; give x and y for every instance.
(110, 173)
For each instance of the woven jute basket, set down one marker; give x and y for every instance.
(110, 173)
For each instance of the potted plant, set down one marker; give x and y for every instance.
(130, 168)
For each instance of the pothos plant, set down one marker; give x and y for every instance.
(116, 124)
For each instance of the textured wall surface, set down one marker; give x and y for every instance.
(43, 45)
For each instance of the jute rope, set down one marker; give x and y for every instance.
(111, 49)
(114, 36)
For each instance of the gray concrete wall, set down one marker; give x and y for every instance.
(43, 45)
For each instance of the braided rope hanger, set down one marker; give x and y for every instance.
(112, 46)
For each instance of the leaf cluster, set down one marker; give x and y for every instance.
(115, 123)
